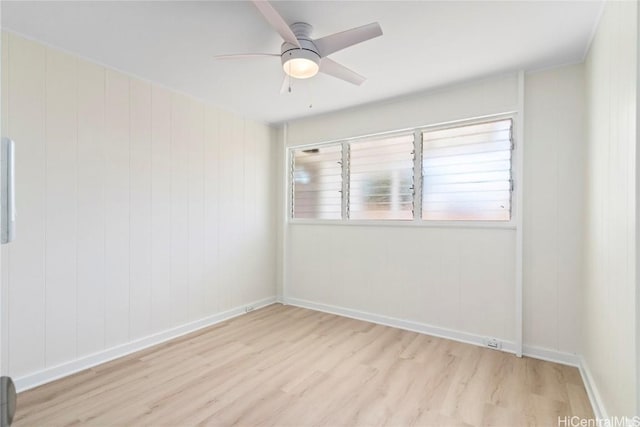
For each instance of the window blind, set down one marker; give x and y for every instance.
(467, 172)
(381, 178)
(317, 182)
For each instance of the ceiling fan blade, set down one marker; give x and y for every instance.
(338, 41)
(339, 71)
(286, 84)
(245, 56)
(275, 20)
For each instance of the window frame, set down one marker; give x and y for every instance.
(516, 177)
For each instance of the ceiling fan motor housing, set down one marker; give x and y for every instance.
(307, 49)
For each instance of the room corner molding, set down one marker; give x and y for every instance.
(595, 397)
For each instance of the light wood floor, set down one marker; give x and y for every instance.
(292, 367)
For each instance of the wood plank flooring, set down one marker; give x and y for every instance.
(289, 366)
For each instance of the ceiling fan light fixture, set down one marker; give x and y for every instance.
(301, 68)
(300, 63)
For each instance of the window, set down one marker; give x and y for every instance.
(317, 182)
(467, 172)
(381, 178)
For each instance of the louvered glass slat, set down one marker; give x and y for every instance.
(316, 158)
(387, 167)
(469, 139)
(467, 186)
(320, 200)
(466, 168)
(380, 158)
(313, 182)
(467, 206)
(381, 178)
(467, 196)
(489, 128)
(382, 215)
(357, 185)
(500, 215)
(382, 142)
(467, 172)
(405, 177)
(483, 147)
(382, 205)
(465, 159)
(317, 182)
(481, 177)
(320, 170)
(316, 207)
(382, 150)
(319, 215)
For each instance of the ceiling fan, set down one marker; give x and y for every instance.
(303, 57)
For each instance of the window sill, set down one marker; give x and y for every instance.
(506, 225)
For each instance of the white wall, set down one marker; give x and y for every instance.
(456, 279)
(555, 156)
(139, 209)
(610, 312)
(449, 280)
(462, 279)
(462, 101)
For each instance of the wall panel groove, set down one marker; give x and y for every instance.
(121, 186)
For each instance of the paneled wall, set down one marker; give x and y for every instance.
(458, 281)
(452, 279)
(139, 209)
(456, 278)
(554, 159)
(610, 289)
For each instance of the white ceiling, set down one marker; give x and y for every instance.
(425, 45)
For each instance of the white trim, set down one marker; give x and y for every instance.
(637, 207)
(507, 225)
(345, 163)
(418, 179)
(46, 375)
(541, 353)
(599, 410)
(4, 287)
(408, 325)
(286, 182)
(549, 355)
(517, 192)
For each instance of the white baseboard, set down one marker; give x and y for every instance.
(549, 355)
(55, 372)
(595, 398)
(563, 358)
(424, 328)
(409, 325)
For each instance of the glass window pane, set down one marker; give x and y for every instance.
(381, 178)
(466, 172)
(316, 179)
